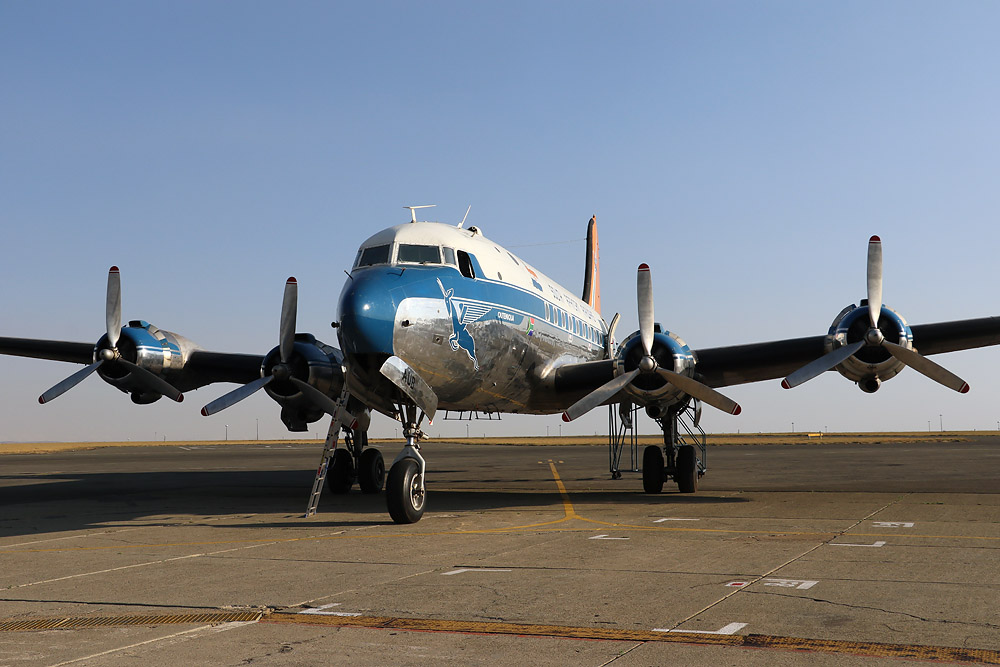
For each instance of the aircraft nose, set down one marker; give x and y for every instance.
(367, 312)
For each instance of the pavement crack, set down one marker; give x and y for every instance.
(846, 605)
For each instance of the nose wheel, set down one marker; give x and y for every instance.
(405, 494)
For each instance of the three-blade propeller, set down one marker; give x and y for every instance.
(282, 371)
(874, 338)
(142, 378)
(648, 365)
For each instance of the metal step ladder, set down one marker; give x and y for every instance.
(332, 436)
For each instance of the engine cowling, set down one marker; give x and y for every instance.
(313, 362)
(160, 352)
(870, 365)
(670, 352)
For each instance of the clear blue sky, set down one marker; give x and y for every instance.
(746, 151)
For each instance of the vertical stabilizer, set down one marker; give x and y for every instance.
(592, 275)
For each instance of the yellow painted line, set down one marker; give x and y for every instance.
(913, 651)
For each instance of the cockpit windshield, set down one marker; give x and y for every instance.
(418, 254)
(375, 255)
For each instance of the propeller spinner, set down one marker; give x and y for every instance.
(874, 338)
(648, 365)
(143, 379)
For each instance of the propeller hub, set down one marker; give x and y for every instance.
(107, 354)
(648, 364)
(281, 372)
(874, 337)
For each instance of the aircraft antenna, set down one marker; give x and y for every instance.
(466, 216)
(413, 210)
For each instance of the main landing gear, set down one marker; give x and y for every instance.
(405, 494)
(682, 463)
(356, 462)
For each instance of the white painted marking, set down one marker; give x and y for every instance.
(606, 537)
(671, 518)
(732, 628)
(880, 543)
(475, 569)
(893, 524)
(324, 610)
(183, 634)
(799, 584)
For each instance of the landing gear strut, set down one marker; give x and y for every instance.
(682, 462)
(405, 494)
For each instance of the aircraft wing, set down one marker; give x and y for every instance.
(201, 368)
(56, 350)
(739, 364)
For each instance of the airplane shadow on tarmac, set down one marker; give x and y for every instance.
(60, 502)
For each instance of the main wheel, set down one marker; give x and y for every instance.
(371, 471)
(687, 469)
(652, 469)
(340, 476)
(403, 495)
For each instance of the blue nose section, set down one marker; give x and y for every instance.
(367, 311)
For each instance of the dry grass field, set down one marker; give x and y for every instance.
(713, 439)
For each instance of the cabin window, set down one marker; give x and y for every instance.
(449, 255)
(465, 264)
(514, 258)
(375, 255)
(418, 254)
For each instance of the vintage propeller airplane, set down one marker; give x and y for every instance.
(437, 317)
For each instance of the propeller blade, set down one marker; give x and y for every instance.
(153, 382)
(325, 403)
(609, 342)
(69, 383)
(235, 396)
(819, 366)
(286, 332)
(113, 307)
(598, 396)
(644, 295)
(874, 279)
(700, 391)
(922, 364)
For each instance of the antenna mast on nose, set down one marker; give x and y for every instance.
(413, 210)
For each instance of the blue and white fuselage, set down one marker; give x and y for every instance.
(482, 327)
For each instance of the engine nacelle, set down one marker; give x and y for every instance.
(157, 351)
(671, 353)
(870, 366)
(314, 362)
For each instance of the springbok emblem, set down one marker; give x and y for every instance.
(461, 338)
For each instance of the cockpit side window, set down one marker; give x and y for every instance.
(465, 264)
(418, 254)
(378, 254)
(449, 255)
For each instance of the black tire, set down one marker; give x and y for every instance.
(403, 496)
(371, 471)
(340, 476)
(652, 469)
(687, 469)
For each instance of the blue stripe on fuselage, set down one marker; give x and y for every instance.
(369, 300)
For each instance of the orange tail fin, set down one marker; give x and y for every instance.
(592, 275)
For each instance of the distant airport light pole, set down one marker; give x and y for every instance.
(941, 419)
(227, 432)
(258, 427)
(793, 427)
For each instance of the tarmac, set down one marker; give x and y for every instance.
(846, 554)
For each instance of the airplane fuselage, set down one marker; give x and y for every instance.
(483, 328)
